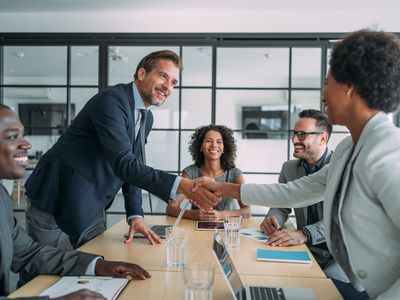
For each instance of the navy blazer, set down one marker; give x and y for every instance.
(81, 174)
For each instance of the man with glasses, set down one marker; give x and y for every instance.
(309, 137)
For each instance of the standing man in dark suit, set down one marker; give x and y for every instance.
(100, 152)
(309, 137)
(17, 249)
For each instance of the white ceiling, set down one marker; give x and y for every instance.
(191, 5)
(197, 16)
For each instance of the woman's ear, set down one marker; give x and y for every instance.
(349, 90)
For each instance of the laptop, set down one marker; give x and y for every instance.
(241, 292)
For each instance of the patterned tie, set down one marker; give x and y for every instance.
(142, 132)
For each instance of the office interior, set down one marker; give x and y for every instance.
(251, 66)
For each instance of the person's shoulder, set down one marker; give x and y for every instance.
(236, 170)
(192, 171)
(118, 89)
(291, 163)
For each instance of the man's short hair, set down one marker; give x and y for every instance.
(150, 61)
(320, 117)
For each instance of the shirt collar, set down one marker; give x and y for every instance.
(317, 166)
(139, 104)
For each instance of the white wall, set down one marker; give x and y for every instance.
(198, 16)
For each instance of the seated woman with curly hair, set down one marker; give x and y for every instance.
(213, 150)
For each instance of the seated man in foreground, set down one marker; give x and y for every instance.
(310, 137)
(17, 249)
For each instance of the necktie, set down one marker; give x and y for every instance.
(142, 132)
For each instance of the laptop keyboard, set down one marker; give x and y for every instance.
(266, 293)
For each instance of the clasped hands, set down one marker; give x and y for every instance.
(281, 237)
(203, 192)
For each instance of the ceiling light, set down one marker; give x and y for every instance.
(81, 54)
(19, 54)
(204, 51)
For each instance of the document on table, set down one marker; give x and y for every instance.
(109, 287)
(254, 233)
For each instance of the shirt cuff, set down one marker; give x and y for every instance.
(134, 217)
(308, 234)
(174, 191)
(90, 270)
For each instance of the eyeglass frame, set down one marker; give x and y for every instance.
(304, 134)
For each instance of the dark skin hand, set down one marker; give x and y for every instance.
(120, 269)
(83, 294)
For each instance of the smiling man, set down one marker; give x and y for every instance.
(309, 137)
(17, 249)
(100, 152)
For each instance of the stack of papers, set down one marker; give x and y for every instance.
(109, 287)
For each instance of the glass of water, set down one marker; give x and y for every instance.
(176, 242)
(198, 278)
(232, 226)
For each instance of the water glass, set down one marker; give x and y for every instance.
(176, 241)
(198, 278)
(232, 226)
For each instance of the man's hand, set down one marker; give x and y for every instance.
(285, 237)
(83, 294)
(139, 225)
(210, 215)
(200, 196)
(270, 225)
(120, 269)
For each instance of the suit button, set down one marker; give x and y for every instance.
(108, 197)
(362, 274)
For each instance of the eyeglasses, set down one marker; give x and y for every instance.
(302, 135)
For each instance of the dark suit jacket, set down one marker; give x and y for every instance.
(19, 252)
(96, 156)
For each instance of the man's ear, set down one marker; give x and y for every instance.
(324, 137)
(141, 74)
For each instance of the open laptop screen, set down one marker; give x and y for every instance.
(228, 268)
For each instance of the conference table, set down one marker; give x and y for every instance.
(167, 282)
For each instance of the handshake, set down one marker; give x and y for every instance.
(203, 192)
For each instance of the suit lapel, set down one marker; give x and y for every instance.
(302, 216)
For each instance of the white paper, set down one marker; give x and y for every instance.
(107, 286)
(254, 233)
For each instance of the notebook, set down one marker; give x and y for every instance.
(300, 257)
(241, 292)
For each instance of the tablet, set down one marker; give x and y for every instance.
(209, 225)
(158, 229)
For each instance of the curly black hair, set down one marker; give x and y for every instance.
(370, 61)
(229, 155)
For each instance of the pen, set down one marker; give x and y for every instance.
(178, 219)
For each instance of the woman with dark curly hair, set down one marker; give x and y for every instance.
(360, 186)
(213, 150)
